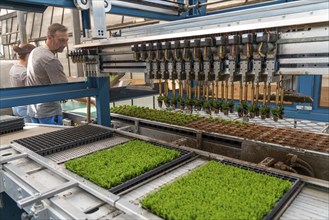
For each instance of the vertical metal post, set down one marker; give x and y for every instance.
(269, 93)
(257, 92)
(277, 93)
(241, 92)
(153, 98)
(222, 90)
(264, 93)
(246, 92)
(232, 90)
(226, 87)
(252, 92)
(22, 27)
(102, 99)
(85, 22)
(76, 36)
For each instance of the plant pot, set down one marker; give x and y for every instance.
(189, 107)
(257, 113)
(240, 114)
(280, 116)
(268, 115)
(216, 110)
(181, 107)
(263, 116)
(275, 118)
(252, 114)
(225, 111)
(212, 108)
(231, 109)
(198, 108)
(160, 104)
(245, 111)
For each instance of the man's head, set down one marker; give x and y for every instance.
(57, 38)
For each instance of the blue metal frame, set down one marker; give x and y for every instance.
(94, 86)
(144, 14)
(309, 86)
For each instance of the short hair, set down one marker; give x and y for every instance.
(23, 50)
(56, 27)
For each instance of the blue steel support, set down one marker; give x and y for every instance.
(8, 4)
(85, 21)
(41, 5)
(102, 99)
(38, 3)
(144, 14)
(309, 86)
(11, 97)
(98, 87)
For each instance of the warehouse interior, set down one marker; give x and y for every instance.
(194, 109)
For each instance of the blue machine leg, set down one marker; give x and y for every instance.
(102, 99)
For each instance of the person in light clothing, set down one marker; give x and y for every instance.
(44, 68)
(17, 76)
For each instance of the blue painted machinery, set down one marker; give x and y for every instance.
(283, 44)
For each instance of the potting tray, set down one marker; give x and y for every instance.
(10, 123)
(126, 182)
(295, 184)
(184, 155)
(52, 142)
(168, 203)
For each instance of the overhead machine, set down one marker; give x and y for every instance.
(263, 56)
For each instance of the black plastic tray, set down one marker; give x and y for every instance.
(185, 155)
(60, 140)
(296, 183)
(10, 123)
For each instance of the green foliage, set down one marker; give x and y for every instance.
(217, 191)
(166, 99)
(238, 108)
(113, 166)
(173, 100)
(244, 105)
(268, 109)
(206, 104)
(275, 112)
(161, 98)
(262, 110)
(281, 110)
(224, 105)
(164, 116)
(251, 108)
(231, 104)
(188, 101)
(196, 102)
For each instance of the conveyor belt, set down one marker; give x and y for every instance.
(311, 203)
(53, 142)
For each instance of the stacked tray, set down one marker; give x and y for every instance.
(60, 140)
(10, 123)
